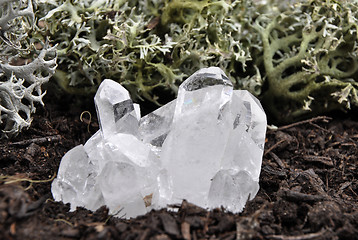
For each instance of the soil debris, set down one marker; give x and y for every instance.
(308, 187)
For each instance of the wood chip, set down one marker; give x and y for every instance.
(169, 224)
(185, 230)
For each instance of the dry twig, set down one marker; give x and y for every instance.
(308, 236)
(319, 118)
(41, 140)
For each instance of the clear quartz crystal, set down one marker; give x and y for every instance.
(231, 189)
(194, 147)
(115, 109)
(72, 176)
(206, 146)
(155, 126)
(120, 187)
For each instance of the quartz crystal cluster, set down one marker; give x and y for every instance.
(206, 146)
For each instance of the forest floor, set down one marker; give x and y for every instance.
(308, 187)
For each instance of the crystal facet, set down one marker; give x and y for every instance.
(206, 146)
(115, 109)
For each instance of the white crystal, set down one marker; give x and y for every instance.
(121, 188)
(206, 147)
(192, 152)
(115, 109)
(231, 189)
(155, 126)
(72, 177)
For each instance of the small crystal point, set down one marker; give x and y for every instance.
(208, 86)
(155, 126)
(205, 77)
(121, 189)
(206, 146)
(115, 109)
(244, 148)
(231, 189)
(72, 176)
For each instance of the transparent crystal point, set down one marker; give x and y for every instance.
(193, 149)
(121, 189)
(155, 126)
(231, 189)
(206, 86)
(115, 110)
(244, 148)
(72, 177)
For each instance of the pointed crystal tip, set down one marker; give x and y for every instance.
(206, 77)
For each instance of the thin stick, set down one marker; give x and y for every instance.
(299, 237)
(299, 197)
(41, 140)
(274, 146)
(324, 160)
(320, 118)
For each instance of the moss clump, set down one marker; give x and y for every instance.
(310, 59)
(145, 45)
(299, 57)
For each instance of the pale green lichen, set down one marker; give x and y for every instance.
(25, 64)
(310, 58)
(145, 45)
(298, 56)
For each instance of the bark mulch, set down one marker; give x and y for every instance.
(308, 187)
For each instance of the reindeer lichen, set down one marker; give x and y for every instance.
(310, 59)
(25, 64)
(298, 56)
(145, 45)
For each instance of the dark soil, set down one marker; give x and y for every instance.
(308, 188)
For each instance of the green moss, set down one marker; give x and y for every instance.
(298, 56)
